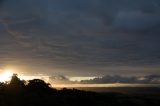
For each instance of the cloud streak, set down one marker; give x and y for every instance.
(150, 79)
(108, 79)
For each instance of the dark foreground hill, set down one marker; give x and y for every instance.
(38, 93)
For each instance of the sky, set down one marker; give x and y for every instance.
(80, 38)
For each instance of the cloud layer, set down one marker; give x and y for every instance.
(108, 79)
(86, 36)
(150, 79)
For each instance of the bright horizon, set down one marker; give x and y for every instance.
(81, 41)
(7, 74)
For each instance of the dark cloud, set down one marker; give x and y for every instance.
(1, 1)
(80, 35)
(150, 79)
(59, 79)
(109, 79)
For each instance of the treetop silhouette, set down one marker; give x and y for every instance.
(37, 92)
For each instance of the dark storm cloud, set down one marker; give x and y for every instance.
(1, 1)
(150, 79)
(81, 33)
(108, 79)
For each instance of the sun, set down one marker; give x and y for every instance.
(6, 75)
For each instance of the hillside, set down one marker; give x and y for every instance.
(38, 93)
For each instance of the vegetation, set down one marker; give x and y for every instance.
(36, 92)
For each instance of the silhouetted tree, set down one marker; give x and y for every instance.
(16, 82)
(15, 86)
(2, 86)
(37, 84)
(37, 92)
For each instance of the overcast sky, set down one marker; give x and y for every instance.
(80, 37)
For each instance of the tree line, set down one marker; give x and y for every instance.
(37, 92)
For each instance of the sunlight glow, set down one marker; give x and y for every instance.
(6, 75)
(104, 85)
(80, 78)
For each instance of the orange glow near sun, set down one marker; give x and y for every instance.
(6, 75)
